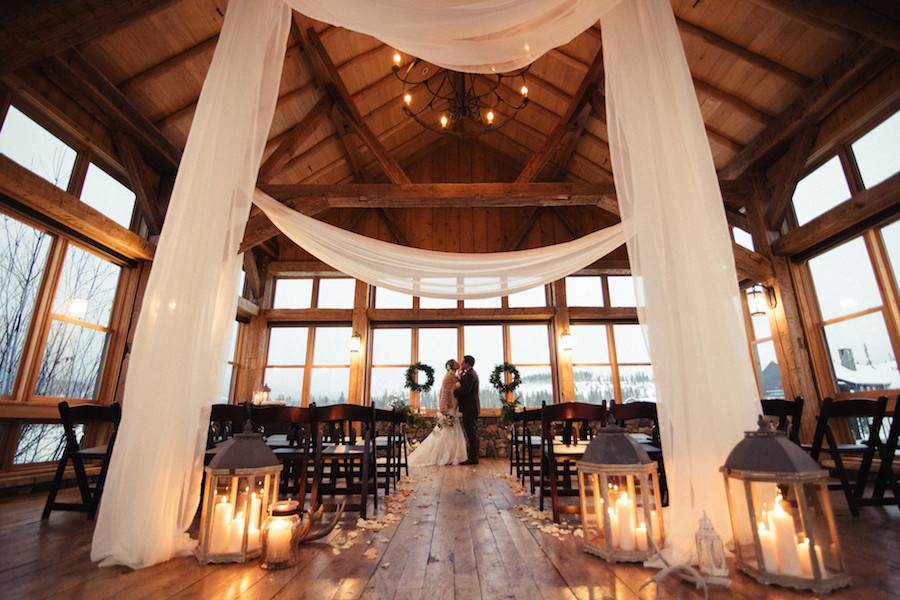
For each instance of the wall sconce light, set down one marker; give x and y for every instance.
(565, 341)
(760, 298)
(355, 342)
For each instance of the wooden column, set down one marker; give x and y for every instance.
(251, 352)
(787, 327)
(358, 360)
(564, 372)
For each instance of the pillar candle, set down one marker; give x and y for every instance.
(255, 510)
(598, 511)
(625, 512)
(785, 541)
(806, 560)
(278, 541)
(656, 522)
(219, 528)
(613, 527)
(767, 543)
(236, 539)
(640, 534)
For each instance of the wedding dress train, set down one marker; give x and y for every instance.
(445, 445)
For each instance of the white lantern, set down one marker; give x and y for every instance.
(711, 553)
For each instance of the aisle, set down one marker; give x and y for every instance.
(456, 533)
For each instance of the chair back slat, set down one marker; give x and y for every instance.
(573, 411)
(637, 411)
(788, 412)
(857, 407)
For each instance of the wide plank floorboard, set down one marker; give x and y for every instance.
(458, 536)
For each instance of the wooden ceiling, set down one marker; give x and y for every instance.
(339, 118)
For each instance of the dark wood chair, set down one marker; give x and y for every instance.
(293, 429)
(888, 454)
(90, 496)
(645, 412)
(528, 445)
(387, 448)
(789, 414)
(558, 456)
(858, 408)
(224, 421)
(349, 454)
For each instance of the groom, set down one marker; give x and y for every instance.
(469, 406)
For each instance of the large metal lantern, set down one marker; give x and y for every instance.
(781, 517)
(620, 506)
(241, 483)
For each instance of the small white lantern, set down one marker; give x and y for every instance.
(241, 482)
(711, 553)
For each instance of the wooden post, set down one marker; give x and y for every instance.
(564, 372)
(358, 360)
(787, 328)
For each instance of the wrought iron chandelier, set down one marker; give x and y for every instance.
(461, 104)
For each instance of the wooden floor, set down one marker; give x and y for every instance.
(460, 537)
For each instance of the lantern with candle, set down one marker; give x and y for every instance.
(620, 502)
(781, 517)
(280, 535)
(241, 482)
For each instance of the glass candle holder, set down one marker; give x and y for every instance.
(279, 533)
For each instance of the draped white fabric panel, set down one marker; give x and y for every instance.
(681, 256)
(179, 347)
(438, 274)
(673, 218)
(476, 36)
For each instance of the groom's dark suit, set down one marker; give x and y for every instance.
(469, 406)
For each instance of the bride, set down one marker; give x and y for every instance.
(446, 444)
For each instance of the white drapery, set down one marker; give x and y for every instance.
(438, 274)
(681, 258)
(663, 172)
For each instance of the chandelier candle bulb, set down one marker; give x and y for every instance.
(444, 121)
(524, 90)
(407, 99)
(397, 58)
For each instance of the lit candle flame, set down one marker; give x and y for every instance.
(524, 90)
(407, 99)
(444, 120)
(397, 58)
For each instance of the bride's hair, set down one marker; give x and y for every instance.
(448, 363)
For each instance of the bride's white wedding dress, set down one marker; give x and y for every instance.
(446, 444)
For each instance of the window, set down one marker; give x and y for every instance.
(529, 349)
(107, 195)
(877, 153)
(385, 298)
(742, 238)
(890, 236)
(36, 149)
(485, 344)
(227, 382)
(824, 188)
(336, 292)
(437, 345)
(621, 291)
(42, 442)
(330, 373)
(765, 358)
(286, 362)
(853, 319)
(584, 291)
(633, 359)
(79, 320)
(536, 296)
(293, 293)
(437, 302)
(323, 380)
(391, 355)
(591, 366)
(23, 258)
(495, 302)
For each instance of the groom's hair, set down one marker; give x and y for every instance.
(470, 360)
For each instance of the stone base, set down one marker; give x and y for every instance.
(493, 433)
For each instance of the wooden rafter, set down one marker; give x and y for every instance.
(169, 65)
(294, 139)
(738, 104)
(396, 232)
(797, 156)
(525, 226)
(848, 74)
(251, 271)
(536, 163)
(28, 36)
(144, 193)
(568, 144)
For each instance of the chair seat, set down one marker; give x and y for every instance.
(278, 440)
(95, 452)
(343, 450)
(569, 451)
(287, 452)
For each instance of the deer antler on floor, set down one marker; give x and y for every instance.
(309, 533)
(685, 571)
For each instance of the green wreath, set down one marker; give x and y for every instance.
(411, 382)
(497, 378)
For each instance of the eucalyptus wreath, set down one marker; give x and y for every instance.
(414, 385)
(497, 378)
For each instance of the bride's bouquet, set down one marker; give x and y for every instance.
(442, 420)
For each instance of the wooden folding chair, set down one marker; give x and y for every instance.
(859, 408)
(645, 412)
(789, 414)
(387, 452)
(289, 432)
(558, 458)
(887, 455)
(350, 454)
(528, 444)
(90, 496)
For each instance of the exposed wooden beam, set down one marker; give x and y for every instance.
(41, 197)
(252, 276)
(738, 104)
(351, 148)
(294, 139)
(521, 234)
(80, 79)
(878, 20)
(845, 219)
(567, 147)
(170, 65)
(537, 161)
(751, 265)
(848, 74)
(796, 163)
(145, 194)
(34, 30)
(742, 53)
(396, 232)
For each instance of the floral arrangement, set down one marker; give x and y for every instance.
(398, 404)
(410, 377)
(442, 420)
